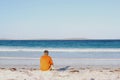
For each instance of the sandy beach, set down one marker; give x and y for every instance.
(61, 73)
(64, 69)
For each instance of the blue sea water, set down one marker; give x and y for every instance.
(60, 43)
(61, 46)
(61, 49)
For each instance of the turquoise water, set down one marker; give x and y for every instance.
(72, 44)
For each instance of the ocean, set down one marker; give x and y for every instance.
(70, 52)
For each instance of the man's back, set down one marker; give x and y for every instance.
(45, 62)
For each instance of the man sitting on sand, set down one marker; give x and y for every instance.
(46, 61)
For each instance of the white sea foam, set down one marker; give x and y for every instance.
(63, 50)
(30, 58)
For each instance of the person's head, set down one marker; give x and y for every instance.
(46, 52)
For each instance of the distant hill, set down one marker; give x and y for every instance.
(76, 39)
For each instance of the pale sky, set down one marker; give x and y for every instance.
(59, 19)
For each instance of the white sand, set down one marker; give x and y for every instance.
(61, 74)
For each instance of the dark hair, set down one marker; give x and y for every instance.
(46, 51)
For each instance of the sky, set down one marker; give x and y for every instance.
(59, 19)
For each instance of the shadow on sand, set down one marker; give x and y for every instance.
(64, 68)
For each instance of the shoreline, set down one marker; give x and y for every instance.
(60, 62)
(30, 58)
(34, 66)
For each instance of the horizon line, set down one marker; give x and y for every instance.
(63, 39)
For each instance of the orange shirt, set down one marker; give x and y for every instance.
(45, 62)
